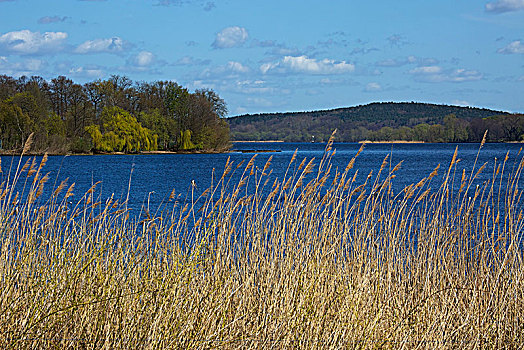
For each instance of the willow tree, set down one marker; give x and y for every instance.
(121, 132)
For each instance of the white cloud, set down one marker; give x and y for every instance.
(513, 47)
(26, 42)
(26, 67)
(110, 45)
(304, 64)
(237, 67)
(501, 6)
(373, 87)
(230, 37)
(436, 74)
(144, 59)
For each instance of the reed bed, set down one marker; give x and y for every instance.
(312, 260)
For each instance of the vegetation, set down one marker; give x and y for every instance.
(311, 260)
(108, 116)
(382, 122)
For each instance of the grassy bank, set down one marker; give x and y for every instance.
(313, 260)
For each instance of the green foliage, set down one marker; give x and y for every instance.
(164, 128)
(15, 125)
(185, 141)
(81, 145)
(121, 132)
(109, 115)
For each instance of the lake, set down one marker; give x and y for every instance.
(153, 177)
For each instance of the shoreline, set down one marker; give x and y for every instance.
(394, 141)
(41, 153)
(270, 141)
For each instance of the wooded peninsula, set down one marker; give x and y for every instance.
(386, 121)
(105, 116)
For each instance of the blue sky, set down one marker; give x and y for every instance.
(287, 55)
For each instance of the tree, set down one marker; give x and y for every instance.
(59, 90)
(15, 125)
(121, 132)
(218, 104)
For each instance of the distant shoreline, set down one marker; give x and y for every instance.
(395, 141)
(259, 141)
(31, 154)
(39, 153)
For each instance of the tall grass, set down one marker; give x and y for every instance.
(312, 260)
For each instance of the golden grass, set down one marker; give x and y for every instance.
(309, 261)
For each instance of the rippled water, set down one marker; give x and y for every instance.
(153, 177)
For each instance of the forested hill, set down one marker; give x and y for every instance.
(381, 122)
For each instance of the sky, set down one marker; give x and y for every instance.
(280, 55)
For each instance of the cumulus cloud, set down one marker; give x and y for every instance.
(110, 45)
(25, 67)
(436, 74)
(143, 59)
(230, 37)
(304, 64)
(501, 6)
(26, 42)
(52, 19)
(513, 47)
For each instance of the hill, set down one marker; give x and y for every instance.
(381, 122)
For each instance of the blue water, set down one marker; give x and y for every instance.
(153, 177)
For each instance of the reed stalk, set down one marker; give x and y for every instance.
(312, 260)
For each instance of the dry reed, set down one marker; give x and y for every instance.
(313, 260)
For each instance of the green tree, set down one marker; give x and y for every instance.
(15, 125)
(121, 132)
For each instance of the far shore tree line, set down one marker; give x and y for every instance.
(113, 115)
(385, 121)
(501, 128)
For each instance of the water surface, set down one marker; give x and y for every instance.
(151, 178)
